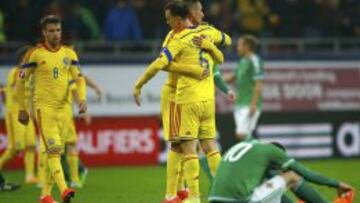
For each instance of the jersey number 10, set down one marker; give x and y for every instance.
(236, 152)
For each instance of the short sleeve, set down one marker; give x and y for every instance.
(74, 63)
(29, 60)
(258, 68)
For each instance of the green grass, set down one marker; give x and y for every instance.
(147, 184)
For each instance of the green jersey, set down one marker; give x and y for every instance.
(247, 164)
(248, 70)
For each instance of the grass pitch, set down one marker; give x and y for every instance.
(147, 184)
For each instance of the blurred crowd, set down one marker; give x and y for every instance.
(134, 20)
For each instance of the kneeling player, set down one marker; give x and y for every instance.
(241, 176)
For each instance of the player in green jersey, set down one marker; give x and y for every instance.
(241, 176)
(248, 77)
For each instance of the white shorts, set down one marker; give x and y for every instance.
(270, 191)
(245, 123)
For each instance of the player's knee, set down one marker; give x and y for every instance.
(240, 136)
(54, 150)
(208, 146)
(31, 148)
(71, 148)
(175, 147)
(188, 147)
(292, 178)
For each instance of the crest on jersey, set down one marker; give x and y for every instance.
(67, 61)
(51, 141)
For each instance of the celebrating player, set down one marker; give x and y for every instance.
(241, 176)
(249, 75)
(174, 157)
(20, 138)
(51, 64)
(194, 111)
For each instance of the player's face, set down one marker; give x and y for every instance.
(241, 47)
(52, 34)
(196, 14)
(172, 21)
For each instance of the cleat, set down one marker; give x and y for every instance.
(346, 198)
(9, 187)
(47, 199)
(31, 180)
(192, 200)
(183, 194)
(173, 200)
(67, 195)
(75, 185)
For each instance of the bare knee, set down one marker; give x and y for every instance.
(176, 147)
(241, 136)
(188, 147)
(71, 148)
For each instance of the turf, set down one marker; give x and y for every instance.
(147, 184)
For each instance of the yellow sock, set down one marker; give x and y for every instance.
(47, 178)
(172, 172)
(214, 159)
(73, 161)
(191, 174)
(56, 171)
(29, 160)
(181, 184)
(8, 154)
(42, 165)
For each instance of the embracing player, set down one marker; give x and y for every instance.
(51, 63)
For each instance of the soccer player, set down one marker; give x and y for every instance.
(51, 64)
(241, 176)
(194, 109)
(20, 138)
(248, 77)
(174, 157)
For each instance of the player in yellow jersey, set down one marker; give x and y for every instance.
(182, 48)
(20, 138)
(51, 65)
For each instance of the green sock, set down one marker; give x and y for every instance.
(286, 199)
(205, 167)
(308, 194)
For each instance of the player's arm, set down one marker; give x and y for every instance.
(166, 56)
(2, 94)
(221, 84)
(258, 77)
(23, 75)
(206, 44)
(93, 85)
(79, 81)
(193, 71)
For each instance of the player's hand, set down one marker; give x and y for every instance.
(231, 96)
(82, 107)
(253, 108)
(23, 117)
(87, 119)
(137, 93)
(203, 42)
(344, 188)
(99, 94)
(205, 73)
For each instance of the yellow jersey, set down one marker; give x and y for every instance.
(182, 50)
(10, 89)
(52, 71)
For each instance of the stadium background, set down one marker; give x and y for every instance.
(312, 92)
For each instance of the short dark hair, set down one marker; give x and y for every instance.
(278, 145)
(177, 8)
(190, 3)
(20, 53)
(251, 41)
(49, 19)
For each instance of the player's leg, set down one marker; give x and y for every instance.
(174, 156)
(30, 153)
(242, 122)
(253, 122)
(72, 155)
(187, 124)
(207, 136)
(50, 125)
(272, 190)
(10, 151)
